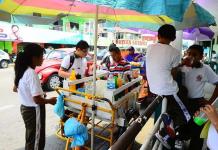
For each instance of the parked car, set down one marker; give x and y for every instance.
(4, 59)
(47, 51)
(48, 71)
(101, 53)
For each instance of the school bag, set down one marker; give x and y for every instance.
(72, 58)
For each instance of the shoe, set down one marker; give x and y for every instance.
(164, 138)
(168, 124)
(179, 144)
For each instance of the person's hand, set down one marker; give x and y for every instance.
(203, 102)
(211, 113)
(136, 58)
(52, 100)
(197, 113)
(187, 61)
(15, 88)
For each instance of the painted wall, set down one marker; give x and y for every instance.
(6, 45)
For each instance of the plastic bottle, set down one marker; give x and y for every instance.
(88, 88)
(71, 78)
(115, 79)
(110, 82)
(119, 81)
(202, 118)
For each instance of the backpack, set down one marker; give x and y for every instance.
(72, 58)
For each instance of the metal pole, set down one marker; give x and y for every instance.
(156, 127)
(150, 137)
(129, 135)
(210, 50)
(94, 79)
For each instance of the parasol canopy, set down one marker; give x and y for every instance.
(198, 34)
(52, 8)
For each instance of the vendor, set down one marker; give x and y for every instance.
(132, 56)
(136, 60)
(118, 65)
(105, 63)
(76, 61)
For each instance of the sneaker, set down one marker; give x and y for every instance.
(164, 138)
(168, 124)
(179, 144)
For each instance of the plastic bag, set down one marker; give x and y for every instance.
(59, 106)
(73, 128)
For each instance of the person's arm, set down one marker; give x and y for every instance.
(39, 100)
(137, 57)
(65, 64)
(175, 65)
(103, 61)
(63, 73)
(212, 115)
(213, 79)
(36, 89)
(174, 72)
(214, 95)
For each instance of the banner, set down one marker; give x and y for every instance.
(14, 32)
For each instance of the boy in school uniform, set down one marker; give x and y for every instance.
(195, 75)
(162, 62)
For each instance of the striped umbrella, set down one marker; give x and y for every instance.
(53, 8)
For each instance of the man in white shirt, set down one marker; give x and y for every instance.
(161, 68)
(77, 61)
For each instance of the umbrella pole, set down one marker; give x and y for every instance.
(94, 79)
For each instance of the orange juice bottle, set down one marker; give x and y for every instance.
(71, 78)
(119, 81)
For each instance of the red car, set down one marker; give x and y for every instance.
(48, 71)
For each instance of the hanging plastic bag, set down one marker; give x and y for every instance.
(59, 106)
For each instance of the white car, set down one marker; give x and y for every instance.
(4, 59)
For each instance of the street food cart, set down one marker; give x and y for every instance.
(110, 105)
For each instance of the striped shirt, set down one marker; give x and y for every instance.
(122, 67)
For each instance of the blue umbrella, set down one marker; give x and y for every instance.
(185, 13)
(174, 9)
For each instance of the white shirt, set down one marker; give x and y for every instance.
(214, 57)
(195, 79)
(28, 87)
(160, 59)
(212, 138)
(79, 65)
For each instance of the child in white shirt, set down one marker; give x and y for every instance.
(195, 75)
(30, 94)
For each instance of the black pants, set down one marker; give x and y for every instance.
(34, 120)
(192, 131)
(186, 130)
(175, 111)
